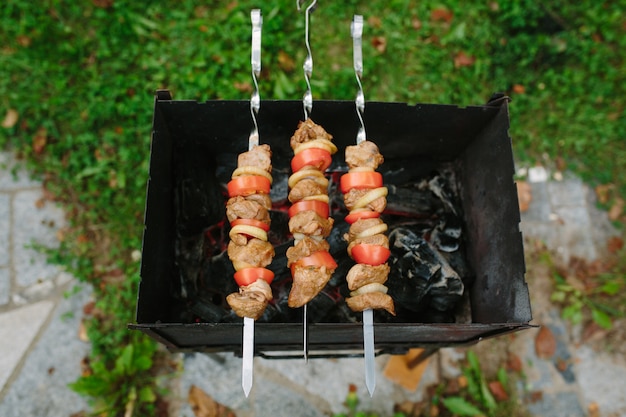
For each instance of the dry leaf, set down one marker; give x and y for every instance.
(594, 409)
(603, 193)
(205, 406)
(379, 43)
(514, 363)
(416, 23)
(616, 209)
(535, 396)
(441, 14)
(82, 332)
(401, 369)
(498, 391)
(104, 4)
(244, 87)
(374, 21)
(10, 119)
(615, 244)
(39, 140)
(518, 89)
(545, 343)
(463, 60)
(524, 195)
(286, 62)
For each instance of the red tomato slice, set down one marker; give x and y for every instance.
(251, 222)
(360, 180)
(248, 184)
(320, 258)
(248, 276)
(315, 157)
(365, 214)
(317, 206)
(364, 253)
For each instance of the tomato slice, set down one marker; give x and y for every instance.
(248, 276)
(314, 157)
(364, 214)
(360, 180)
(317, 206)
(319, 258)
(365, 253)
(248, 184)
(251, 222)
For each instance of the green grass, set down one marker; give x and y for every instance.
(82, 79)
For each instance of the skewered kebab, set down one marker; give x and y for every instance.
(309, 260)
(364, 197)
(247, 211)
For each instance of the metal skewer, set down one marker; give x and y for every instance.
(247, 367)
(356, 29)
(307, 104)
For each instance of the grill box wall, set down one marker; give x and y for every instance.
(190, 136)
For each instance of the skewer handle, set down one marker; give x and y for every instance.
(255, 62)
(356, 29)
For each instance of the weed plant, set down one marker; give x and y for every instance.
(78, 80)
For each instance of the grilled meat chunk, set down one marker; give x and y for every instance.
(371, 300)
(254, 253)
(251, 300)
(308, 281)
(362, 274)
(311, 224)
(364, 155)
(306, 188)
(246, 208)
(354, 195)
(305, 247)
(308, 130)
(260, 157)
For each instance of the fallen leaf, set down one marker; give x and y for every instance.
(463, 60)
(205, 406)
(89, 307)
(416, 23)
(594, 409)
(562, 364)
(615, 244)
(524, 195)
(441, 14)
(285, 61)
(379, 43)
(104, 4)
(518, 89)
(603, 193)
(374, 21)
(498, 391)
(545, 343)
(244, 87)
(82, 332)
(616, 209)
(10, 119)
(402, 370)
(39, 140)
(51, 370)
(514, 363)
(535, 396)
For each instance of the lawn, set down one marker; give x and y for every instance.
(78, 81)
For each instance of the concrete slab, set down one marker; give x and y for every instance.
(41, 387)
(13, 176)
(5, 223)
(18, 329)
(33, 224)
(601, 378)
(5, 285)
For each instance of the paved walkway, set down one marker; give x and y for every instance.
(40, 348)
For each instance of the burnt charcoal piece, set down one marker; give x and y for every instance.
(420, 277)
(447, 234)
(412, 201)
(189, 258)
(207, 310)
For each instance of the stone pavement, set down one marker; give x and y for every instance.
(40, 348)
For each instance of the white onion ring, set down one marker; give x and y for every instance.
(314, 174)
(245, 229)
(371, 196)
(250, 170)
(373, 287)
(319, 197)
(374, 230)
(319, 143)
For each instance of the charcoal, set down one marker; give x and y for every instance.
(189, 252)
(447, 234)
(420, 277)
